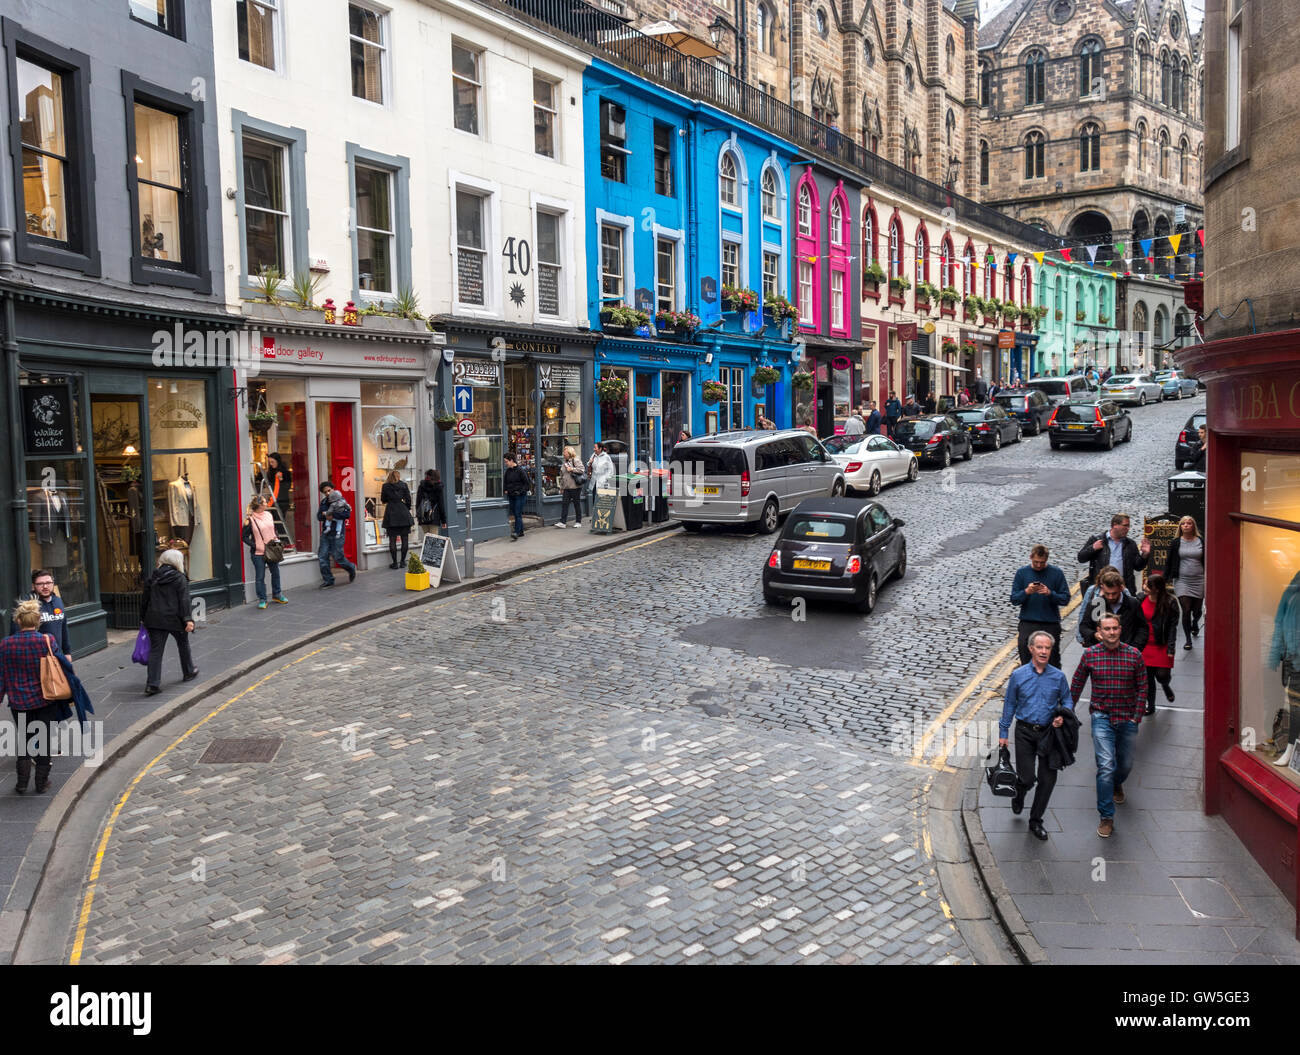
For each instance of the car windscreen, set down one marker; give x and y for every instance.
(973, 417)
(919, 430)
(1068, 412)
(819, 528)
(1162, 375)
(843, 444)
(1121, 379)
(1052, 388)
(1010, 401)
(709, 461)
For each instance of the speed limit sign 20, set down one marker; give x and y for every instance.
(465, 427)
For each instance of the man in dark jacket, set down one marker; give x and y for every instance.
(333, 514)
(1110, 599)
(54, 620)
(873, 419)
(517, 484)
(1040, 589)
(911, 408)
(1115, 548)
(893, 411)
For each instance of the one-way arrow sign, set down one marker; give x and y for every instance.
(464, 399)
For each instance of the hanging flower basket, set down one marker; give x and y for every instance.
(445, 422)
(260, 422)
(611, 390)
(766, 375)
(802, 380)
(713, 392)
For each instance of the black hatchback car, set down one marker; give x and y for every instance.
(1098, 422)
(989, 425)
(1028, 406)
(1188, 443)
(936, 438)
(837, 549)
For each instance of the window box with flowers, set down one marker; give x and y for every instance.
(679, 324)
(874, 274)
(611, 390)
(622, 320)
(1059, 315)
(780, 309)
(926, 297)
(738, 298)
(1103, 318)
(898, 286)
(713, 392)
(948, 298)
(1079, 316)
(971, 305)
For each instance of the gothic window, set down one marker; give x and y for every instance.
(767, 27)
(911, 77)
(1035, 77)
(922, 256)
(1141, 133)
(823, 25)
(950, 127)
(950, 49)
(1182, 160)
(1144, 68)
(1166, 78)
(869, 53)
(805, 210)
(1184, 98)
(1089, 148)
(895, 248)
(984, 164)
(986, 83)
(727, 182)
(1090, 67)
(1035, 149)
(1164, 154)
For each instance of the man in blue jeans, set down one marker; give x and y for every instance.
(1119, 696)
(516, 484)
(333, 515)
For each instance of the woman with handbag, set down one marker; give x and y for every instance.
(165, 610)
(396, 497)
(266, 549)
(429, 507)
(1161, 613)
(34, 692)
(572, 479)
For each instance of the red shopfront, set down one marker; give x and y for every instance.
(1252, 625)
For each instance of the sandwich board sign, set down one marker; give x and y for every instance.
(438, 556)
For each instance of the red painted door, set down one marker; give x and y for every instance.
(343, 470)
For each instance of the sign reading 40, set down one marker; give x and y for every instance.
(517, 251)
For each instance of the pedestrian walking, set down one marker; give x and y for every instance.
(1115, 548)
(994, 389)
(1111, 598)
(1119, 691)
(981, 391)
(517, 483)
(854, 426)
(430, 509)
(1202, 450)
(165, 612)
(929, 405)
(911, 408)
(963, 397)
(1185, 568)
(258, 530)
(333, 514)
(1039, 589)
(1160, 611)
(873, 419)
(600, 467)
(893, 411)
(20, 683)
(398, 521)
(1089, 603)
(1038, 697)
(571, 480)
(54, 619)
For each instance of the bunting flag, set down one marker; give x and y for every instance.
(1092, 254)
(1145, 243)
(1065, 255)
(1011, 258)
(1201, 235)
(1114, 274)
(1174, 239)
(1039, 258)
(1119, 248)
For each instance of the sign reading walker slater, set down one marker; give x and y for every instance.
(47, 419)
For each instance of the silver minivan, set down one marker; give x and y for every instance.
(749, 477)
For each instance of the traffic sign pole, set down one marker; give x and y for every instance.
(468, 481)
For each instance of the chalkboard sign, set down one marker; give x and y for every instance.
(47, 419)
(1160, 531)
(602, 516)
(548, 290)
(438, 556)
(469, 274)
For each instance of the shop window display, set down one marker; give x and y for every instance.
(121, 505)
(486, 453)
(614, 419)
(178, 439)
(561, 387)
(388, 442)
(1270, 610)
(676, 389)
(281, 476)
(519, 413)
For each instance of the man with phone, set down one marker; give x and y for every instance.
(1040, 589)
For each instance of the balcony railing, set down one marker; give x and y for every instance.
(614, 40)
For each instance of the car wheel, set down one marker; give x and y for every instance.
(868, 603)
(692, 525)
(772, 599)
(913, 471)
(1018, 435)
(946, 460)
(1180, 394)
(1109, 442)
(1129, 435)
(1056, 444)
(1161, 397)
(1142, 399)
(970, 450)
(874, 488)
(837, 489)
(902, 561)
(767, 521)
(997, 440)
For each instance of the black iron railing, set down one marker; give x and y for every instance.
(650, 57)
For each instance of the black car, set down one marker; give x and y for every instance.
(1092, 421)
(989, 425)
(1029, 407)
(1188, 442)
(937, 438)
(838, 549)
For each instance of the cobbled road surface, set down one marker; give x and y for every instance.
(624, 758)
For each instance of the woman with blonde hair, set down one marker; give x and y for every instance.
(1185, 568)
(571, 481)
(20, 682)
(165, 611)
(396, 497)
(259, 529)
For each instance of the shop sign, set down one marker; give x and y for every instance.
(471, 370)
(1160, 531)
(602, 516)
(176, 414)
(841, 362)
(542, 347)
(47, 419)
(559, 375)
(646, 357)
(1006, 339)
(1257, 403)
(907, 332)
(276, 350)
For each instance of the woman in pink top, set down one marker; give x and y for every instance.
(259, 529)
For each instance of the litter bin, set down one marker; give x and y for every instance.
(631, 495)
(659, 491)
(1187, 497)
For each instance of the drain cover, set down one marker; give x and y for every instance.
(242, 750)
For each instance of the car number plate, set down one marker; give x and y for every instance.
(708, 490)
(812, 565)
(1079, 427)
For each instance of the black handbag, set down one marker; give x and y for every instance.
(272, 549)
(1001, 777)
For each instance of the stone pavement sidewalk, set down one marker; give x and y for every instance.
(1170, 886)
(230, 643)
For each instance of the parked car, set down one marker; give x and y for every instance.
(869, 462)
(1188, 443)
(937, 438)
(838, 549)
(1029, 406)
(1094, 421)
(989, 425)
(748, 477)
(1176, 384)
(1059, 389)
(1137, 389)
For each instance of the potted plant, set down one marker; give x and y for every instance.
(738, 298)
(1103, 318)
(417, 575)
(873, 273)
(968, 348)
(611, 390)
(622, 320)
(949, 346)
(766, 375)
(713, 392)
(899, 284)
(802, 380)
(304, 287)
(927, 295)
(780, 308)
(1059, 314)
(679, 323)
(1079, 316)
(973, 302)
(949, 295)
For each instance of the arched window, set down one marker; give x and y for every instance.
(837, 222)
(1175, 83)
(910, 76)
(895, 247)
(1035, 150)
(946, 264)
(1008, 280)
(1182, 160)
(950, 49)
(1158, 326)
(1184, 97)
(805, 210)
(1141, 231)
(990, 289)
(1144, 67)
(950, 128)
(869, 53)
(1141, 133)
(1035, 76)
(1163, 147)
(822, 24)
(1200, 95)
(967, 271)
(986, 83)
(922, 256)
(1026, 286)
(1140, 325)
(1080, 301)
(868, 236)
(767, 27)
(1090, 147)
(984, 164)
(1166, 77)
(727, 182)
(1101, 303)
(1090, 68)
(769, 196)
(1058, 304)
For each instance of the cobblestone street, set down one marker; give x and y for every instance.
(623, 758)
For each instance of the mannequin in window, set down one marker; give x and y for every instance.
(53, 526)
(1284, 653)
(135, 513)
(182, 507)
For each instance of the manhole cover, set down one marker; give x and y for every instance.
(242, 750)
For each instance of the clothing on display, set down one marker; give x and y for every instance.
(1284, 653)
(182, 505)
(53, 527)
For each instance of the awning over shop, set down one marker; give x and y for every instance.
(939, 362)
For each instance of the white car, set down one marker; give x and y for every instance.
(870, 462)
(1133, 388)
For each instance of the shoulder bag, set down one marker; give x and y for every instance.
(54, 683)
(272, 550)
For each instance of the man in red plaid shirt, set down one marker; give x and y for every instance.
(1119, 696)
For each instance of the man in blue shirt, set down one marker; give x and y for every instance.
(1040, 589)
(1034, 692)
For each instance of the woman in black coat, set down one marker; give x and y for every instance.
(165, 612)
(428, 502)
(396, 497)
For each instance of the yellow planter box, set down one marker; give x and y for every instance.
(417, 582)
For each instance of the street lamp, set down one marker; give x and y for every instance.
(950, 176)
